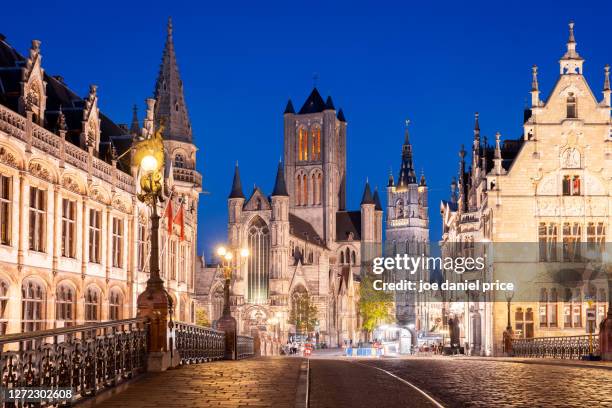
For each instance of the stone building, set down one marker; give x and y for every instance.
(302, 239)
(407, 232)
(542, 203)
(73, 235)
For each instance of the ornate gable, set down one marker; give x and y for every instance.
(257, 202)
(90, 134)
(33, 87)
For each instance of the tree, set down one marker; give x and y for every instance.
(201, 317)
(303, 313)
(375, 306)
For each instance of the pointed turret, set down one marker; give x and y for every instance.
(289, 108)
(280, 187)
(391, 180)
(377, 204)
(422, 182)
(571, 62)
(135, 125)
(329, 103)
(407, 175)
(236, 185)
(170, 104)
(367, 195)
(340, 116)
(497, 157)
(314, 103)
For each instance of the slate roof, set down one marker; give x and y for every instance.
(314, 103)
(302, 229)
(348, 222)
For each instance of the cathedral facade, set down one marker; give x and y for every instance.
(302, 240)
(550, 191)
(73, 235)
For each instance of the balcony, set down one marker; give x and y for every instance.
(188, 176)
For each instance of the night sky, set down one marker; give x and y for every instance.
(382, 62)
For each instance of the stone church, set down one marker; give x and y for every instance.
(302, 239)
(548, 190)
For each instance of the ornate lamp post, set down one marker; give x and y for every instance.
(226, 322)
(154, 303)
(508, 335)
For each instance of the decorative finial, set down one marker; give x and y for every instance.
(406, 133)
(571, 32)
(476, 123)
(607, 77)
(534, 78)
(169, 26)
(498, 145)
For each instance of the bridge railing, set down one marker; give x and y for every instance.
(245, 347)
(569, 347)
(86, 358)
(197, 344)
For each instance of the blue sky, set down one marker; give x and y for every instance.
(382, 62)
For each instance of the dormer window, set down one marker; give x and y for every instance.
(571, 106)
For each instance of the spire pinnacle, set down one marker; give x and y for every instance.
(170, 106)
(534, 78)
(607, 77)
(236, 184)
(407, 175)
(367, 195)
(571, 62)
(280, 187)
(407, 133)
(571, 32)
(135, 125)
(376, 198)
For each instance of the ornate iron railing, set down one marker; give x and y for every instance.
(571, 347)
(245, 347)
(197, 344)
(85, 358)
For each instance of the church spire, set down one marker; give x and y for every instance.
(135, 126)
(571, 62)
(236, 184)
(170, 104)
(535, 89)
(407, 175)
(280, 187)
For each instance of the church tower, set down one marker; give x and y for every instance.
(315, 162)
(407, 229)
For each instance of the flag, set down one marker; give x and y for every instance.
(180, 220)
(168, 214)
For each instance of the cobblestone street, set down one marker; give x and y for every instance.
(259, 382)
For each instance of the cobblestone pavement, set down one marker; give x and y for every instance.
(339, 383)
(485, 383)
(258, 382)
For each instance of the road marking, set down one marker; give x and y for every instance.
(303, 388)
(429, 397)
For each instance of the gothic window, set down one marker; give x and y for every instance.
(298, 190)
(596, 239)
(92, 304)
(68, 228)
(353, 260)
(305, 190)
(142, 246)
(172, 259)
(314, 189)
(5, 210)
(399, 209)
(4, 298)
(115, 304)
(572, 233)
(571, 106)
(347, 255)
(117, 242)
(316, 144)
(302, 144)
(572, 308)
(319, 188)
(258, 261)
(547, 237)
(342, 257)
(95, 235)
(523, 321)
(33, 298)
(65, 305)
(181, 268)
(179, 161)
(217, 303)
(576, 185)
(38, 213)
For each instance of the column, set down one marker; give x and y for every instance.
(57, 230)
(23, 217)
(85, 227)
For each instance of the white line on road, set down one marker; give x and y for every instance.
(429, 397)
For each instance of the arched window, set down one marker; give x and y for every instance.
(303, 144)
(65, 306)
(92, 304)
(353, 260)
(115, 304)
(4, 298)
(258, 261)
(298, 190)
(319, 188)
(305, 191)
(315, 150)
(179, 161)
(342, 257)
(571, 106)
(217, 303)
(33, 298)
(314, 189)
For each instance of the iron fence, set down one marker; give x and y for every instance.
(244, 347)
(86, 358)
(197, 344)
(570, 347)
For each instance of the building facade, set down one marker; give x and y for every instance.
(407, 232)
(548, 190)
(302, 240)
(73, 235)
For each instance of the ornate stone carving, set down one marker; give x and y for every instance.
(120, 205)
(70, 184)
(570, 158)
(40, 171)
(98, 196)
(8, 158)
